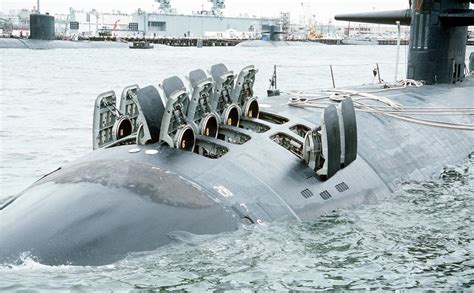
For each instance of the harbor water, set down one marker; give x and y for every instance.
(419, 237)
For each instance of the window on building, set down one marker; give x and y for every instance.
(133, 26)
(157, 25)
(74, 25)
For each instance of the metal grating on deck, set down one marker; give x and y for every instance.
(307, 193)
(341, 187)
(325, 195)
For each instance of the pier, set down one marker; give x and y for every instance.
(175, 42)
(328, 41)
(392, 42)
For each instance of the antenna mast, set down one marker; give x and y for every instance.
(217, 6)
(165, 6)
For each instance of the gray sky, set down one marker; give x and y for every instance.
(323, 9)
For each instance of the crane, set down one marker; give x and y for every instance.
(309, 21)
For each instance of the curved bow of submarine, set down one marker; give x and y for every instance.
(95, 212)
(204, 163)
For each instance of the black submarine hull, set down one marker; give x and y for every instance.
(128, 199)
(12, 43)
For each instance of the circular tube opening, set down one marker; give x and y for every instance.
(123, 128)
(231, 116)
(251, 108)
(210, 126)
(186, 139)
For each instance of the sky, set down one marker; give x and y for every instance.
(324, 10)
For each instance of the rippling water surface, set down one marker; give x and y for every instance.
(420, 237)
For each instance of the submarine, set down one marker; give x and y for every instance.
(203, 155)
(43, 37)
(271, 37)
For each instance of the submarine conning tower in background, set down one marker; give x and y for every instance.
(438, 35)
(273, 32)
(42, 27)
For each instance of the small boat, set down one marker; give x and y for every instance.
(360, 40)
(141, 45)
